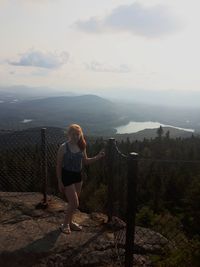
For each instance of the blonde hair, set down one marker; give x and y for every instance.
(77, 128)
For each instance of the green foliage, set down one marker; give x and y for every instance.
(185, 255)
(145, 217)
(95, 198)
(160, 132)
(184, 252)
(191, 217)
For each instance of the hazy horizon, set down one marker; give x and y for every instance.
(173, 98)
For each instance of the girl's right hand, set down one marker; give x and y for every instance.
(101, 154)
(61, 187)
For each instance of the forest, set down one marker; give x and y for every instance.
(168, 185)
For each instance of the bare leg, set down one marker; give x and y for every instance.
(75, 226)
(78, 187)
(73, 202)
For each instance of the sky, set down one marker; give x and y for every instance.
(102, 45)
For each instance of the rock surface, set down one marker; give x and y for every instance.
(31, 237)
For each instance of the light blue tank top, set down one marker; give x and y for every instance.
(72, 161)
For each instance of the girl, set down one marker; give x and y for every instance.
(70, 158)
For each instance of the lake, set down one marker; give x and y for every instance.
(26, 120)
(134, 126)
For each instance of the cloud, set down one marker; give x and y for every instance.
(27, 3)
(43, 60)
(12, 72)
(92, 25)
(153, 21)
(33, 1)
(40, 72)
(2, 61)
(102, 67)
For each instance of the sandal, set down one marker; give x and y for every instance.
(65, 228)
(75, 226)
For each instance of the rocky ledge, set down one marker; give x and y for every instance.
(31, 236)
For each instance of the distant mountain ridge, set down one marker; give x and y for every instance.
(21, 92)
(97, 115)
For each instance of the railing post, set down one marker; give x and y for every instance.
(131, 208)
(110, 157)
(44, 164)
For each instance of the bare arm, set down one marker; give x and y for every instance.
(60, 155)
(88, 161)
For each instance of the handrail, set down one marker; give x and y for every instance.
(114, 142)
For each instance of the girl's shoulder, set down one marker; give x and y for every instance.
(63, 146)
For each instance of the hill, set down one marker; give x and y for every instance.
(97, 115)
(94, 113)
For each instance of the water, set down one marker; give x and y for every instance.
(133, 127)
(26, 120)
(14, 101)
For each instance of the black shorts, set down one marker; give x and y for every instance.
(70, 177)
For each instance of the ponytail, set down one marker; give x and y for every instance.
(82, 143)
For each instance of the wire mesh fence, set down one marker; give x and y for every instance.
(158, 238)
(20, 161)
